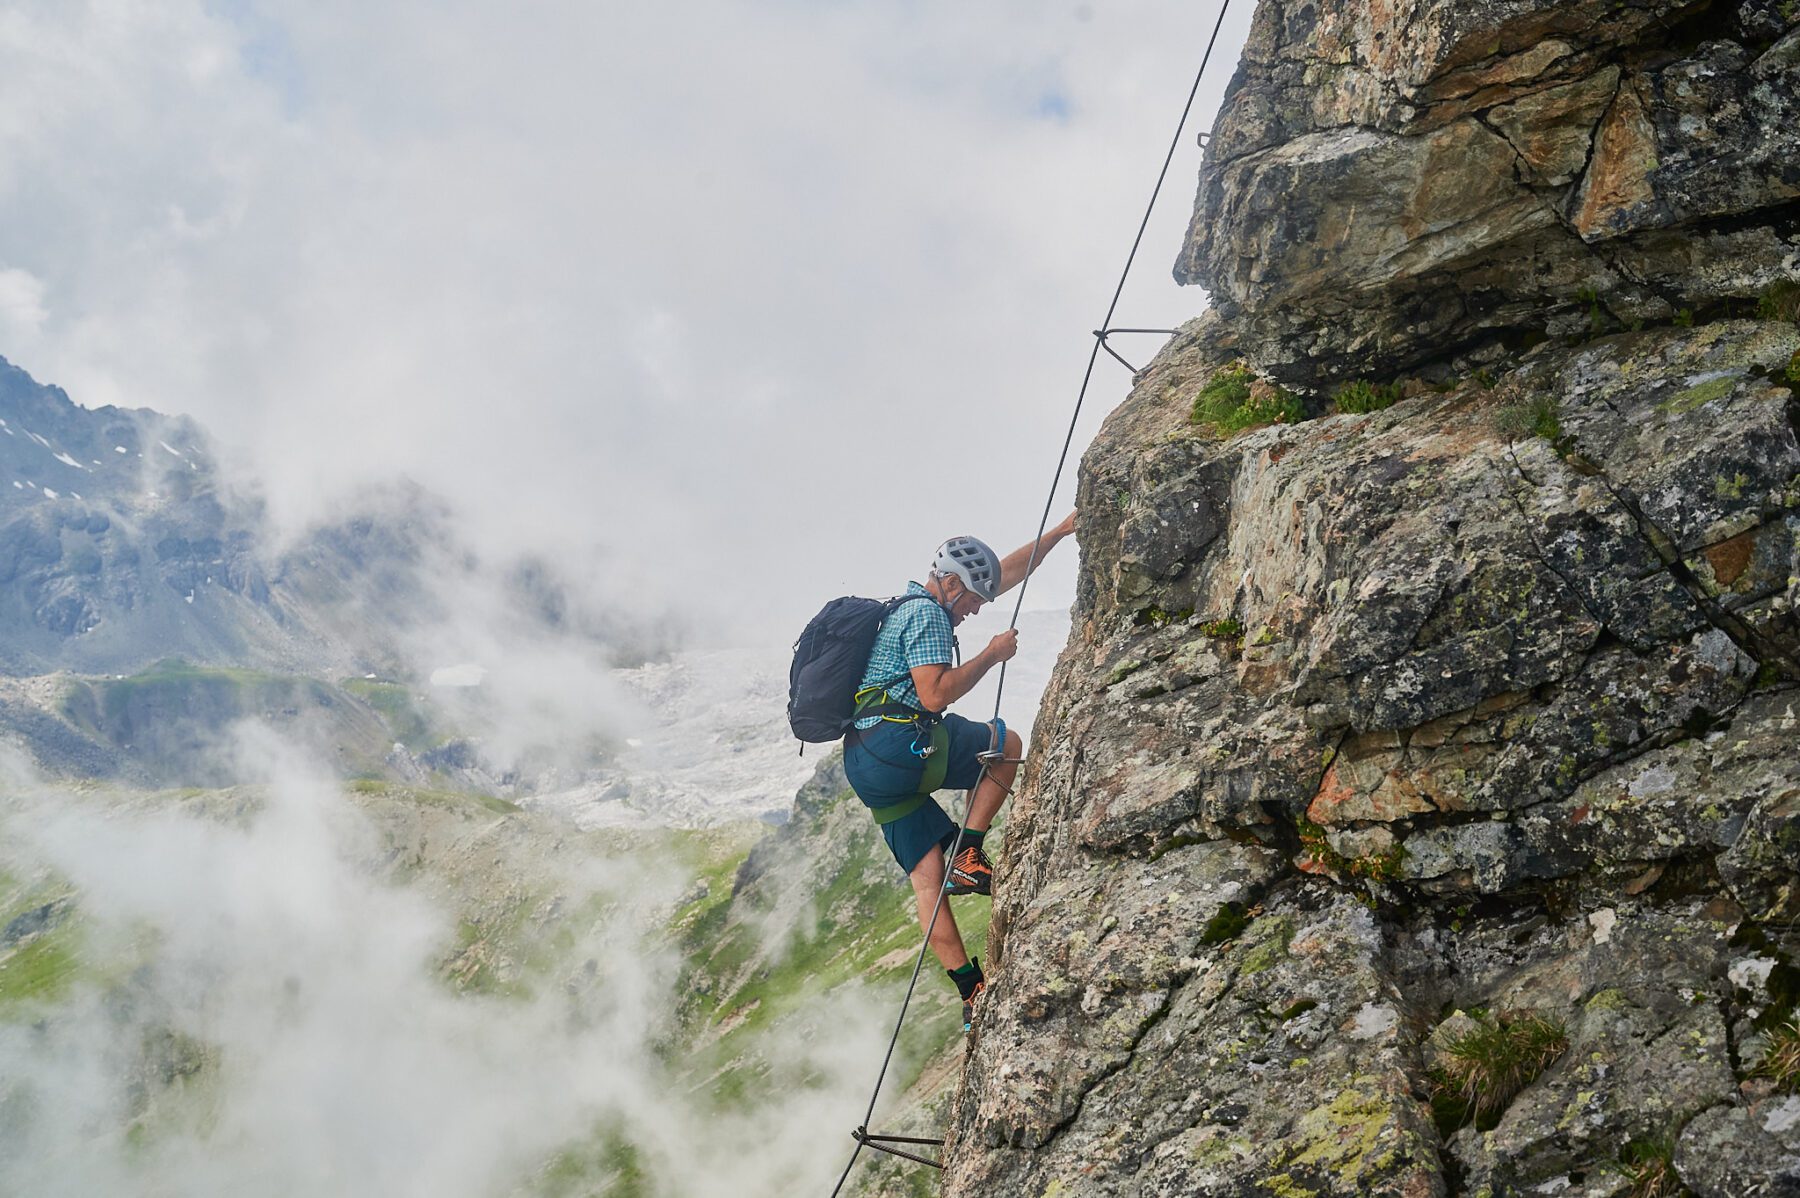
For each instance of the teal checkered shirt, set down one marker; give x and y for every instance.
(916, 634)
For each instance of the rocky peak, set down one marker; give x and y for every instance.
(1388, 183)
(52, 449)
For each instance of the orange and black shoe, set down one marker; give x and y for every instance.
(971, 873)
(969, 1004)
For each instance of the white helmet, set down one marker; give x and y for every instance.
(973, 562)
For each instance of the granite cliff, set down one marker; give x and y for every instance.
(1415, 809)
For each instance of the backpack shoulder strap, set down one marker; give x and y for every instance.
(894, 604)
(889, 607)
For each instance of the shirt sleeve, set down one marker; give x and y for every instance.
(926, 635)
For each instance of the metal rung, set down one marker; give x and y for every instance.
(869, 1139)
(989, 757)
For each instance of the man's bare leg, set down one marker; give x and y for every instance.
(927, 880)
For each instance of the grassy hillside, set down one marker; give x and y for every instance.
(815, 906)
(172, 725)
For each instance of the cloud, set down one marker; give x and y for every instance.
(270, 940)
(766, 299)
(22, 312)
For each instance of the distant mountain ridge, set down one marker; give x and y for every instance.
(129, 561)
(121, 546)
(116, 548)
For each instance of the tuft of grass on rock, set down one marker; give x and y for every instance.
(1781, 1063)
(1597, 318)
(1484, 1069)
(1234, 399)
(1364, 396)
(1780, 300)
(1649, 1165)
(1793, 369)
(1534, 417)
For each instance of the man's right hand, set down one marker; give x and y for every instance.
(1005, 646)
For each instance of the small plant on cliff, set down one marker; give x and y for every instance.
(1228, 629)
(1484, 1069)
(1781, 1063)
(1793, 369)
(1377, 867)
(1155, 616)
(1234, 399)
(1780, 300)
(1597, 319)
(1650, 1167)
(1364, 396)
(1534, 417)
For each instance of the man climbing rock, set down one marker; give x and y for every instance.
(904, 745)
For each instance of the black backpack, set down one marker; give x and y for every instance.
(829, 660)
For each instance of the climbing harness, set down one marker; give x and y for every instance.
(996, 753)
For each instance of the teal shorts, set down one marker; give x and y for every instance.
(912, 836)
(882, 767)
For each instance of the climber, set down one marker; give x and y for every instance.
(904, 746)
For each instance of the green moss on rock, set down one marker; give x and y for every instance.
(1699, 395)
(1345, 1145)
(1610, 999)
(1271, 949)
(1228, 923)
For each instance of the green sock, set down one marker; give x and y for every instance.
(971, 837)
(967, 977)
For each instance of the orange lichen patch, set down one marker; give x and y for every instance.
(1729, 559)
(1366, 781)
(1618, 179)
(1334, 792)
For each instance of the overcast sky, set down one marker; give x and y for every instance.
(766, 298)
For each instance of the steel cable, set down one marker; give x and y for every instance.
(1030, 565)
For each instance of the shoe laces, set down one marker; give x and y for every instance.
(972, 856)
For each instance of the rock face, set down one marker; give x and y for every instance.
(1385, 738)
(1389, 179)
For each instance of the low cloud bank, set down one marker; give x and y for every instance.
(261, 1012)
